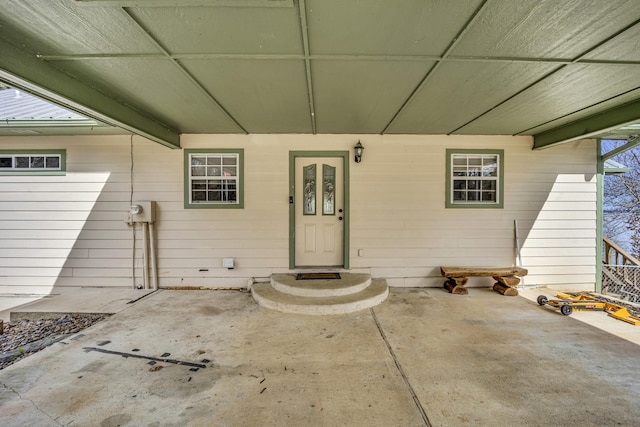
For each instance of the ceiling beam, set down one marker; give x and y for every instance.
(24, 71)
(307, 62)
(187, 3)
(589, 126)
(50, 123)
(337, 57)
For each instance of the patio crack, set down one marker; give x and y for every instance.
(17, 393)
(425, 418)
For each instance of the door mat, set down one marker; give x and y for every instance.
(315, 276)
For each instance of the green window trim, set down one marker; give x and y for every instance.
(12, 162)
(229, 182)
(489, 184)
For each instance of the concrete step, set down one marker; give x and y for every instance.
(346, 285)
(267, 296)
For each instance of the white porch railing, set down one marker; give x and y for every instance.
(620, 273)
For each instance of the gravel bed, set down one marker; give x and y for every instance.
(25, 337)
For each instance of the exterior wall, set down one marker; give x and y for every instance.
(71, 230)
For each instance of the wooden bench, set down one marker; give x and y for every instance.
(505, 277)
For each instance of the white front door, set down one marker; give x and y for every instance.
(319, 211)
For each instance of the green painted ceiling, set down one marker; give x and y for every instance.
(554, 69)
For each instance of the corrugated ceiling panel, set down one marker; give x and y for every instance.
(264, 96)
(565, 92)
(460, 91)
(224, 29)
(362, 96)
(19, 105)
(158, 88)
(534, 28)
(418, 27)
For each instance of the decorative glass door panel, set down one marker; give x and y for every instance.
(328, 194)
(309, 182)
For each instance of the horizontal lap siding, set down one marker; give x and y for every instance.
(50, 226)
(559, 246)
(402, 230)
(71, 231)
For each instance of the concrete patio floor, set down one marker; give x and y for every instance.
(423, 357)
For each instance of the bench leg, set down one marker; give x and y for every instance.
(505, 289)
(456, 285)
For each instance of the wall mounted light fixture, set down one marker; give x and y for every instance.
(358, 149)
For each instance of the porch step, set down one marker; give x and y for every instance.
(347, 284)
(351, 293)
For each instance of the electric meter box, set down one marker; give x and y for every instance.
(144, 211)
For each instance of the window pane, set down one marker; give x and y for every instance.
(22, 162)
(489, 185)
(459, 195)
(213, 160)
(213, 185)
(53, 162)
(490, 166)
(473, 195)
(6, 162)
(459, 185)
(37, 162)
(213, 171)
(460, 171)
(198, 160)
(198, 196)
(460, 160)
(488, 196)
(232, 161)
(229, 171)
(198, 171)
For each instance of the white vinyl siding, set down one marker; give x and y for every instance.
(70, 230)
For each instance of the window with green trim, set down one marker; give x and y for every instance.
(18, 162)
(475, 178)
(214, 178)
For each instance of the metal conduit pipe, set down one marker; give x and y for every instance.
(154, 265)
(145, 255)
